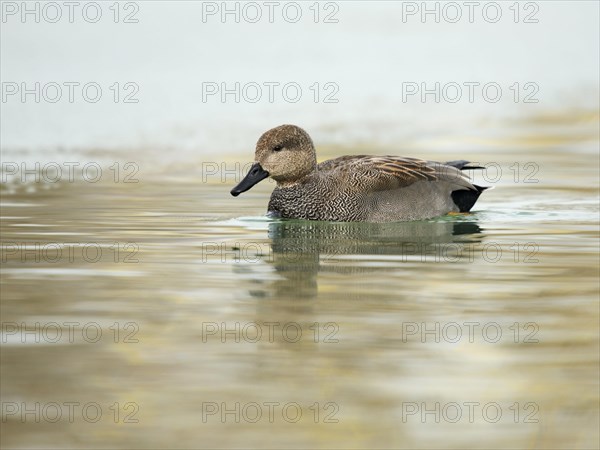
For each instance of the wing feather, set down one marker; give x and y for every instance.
(392, 172)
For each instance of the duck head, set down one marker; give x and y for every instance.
(285, 153)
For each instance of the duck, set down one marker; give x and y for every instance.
(355, 188)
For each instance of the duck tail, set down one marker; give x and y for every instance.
(462, 164)
(465, 199)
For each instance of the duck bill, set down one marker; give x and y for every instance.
(255, 175)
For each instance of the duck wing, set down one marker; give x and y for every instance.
(379, 173)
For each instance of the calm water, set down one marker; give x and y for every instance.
(222, 328)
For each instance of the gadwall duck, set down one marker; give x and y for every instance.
(357, 188)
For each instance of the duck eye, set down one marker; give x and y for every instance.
(277, 148)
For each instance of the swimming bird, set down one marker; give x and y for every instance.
(358, 188)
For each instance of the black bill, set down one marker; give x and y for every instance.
(254, 176)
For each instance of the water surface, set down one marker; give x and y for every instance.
(202, 306)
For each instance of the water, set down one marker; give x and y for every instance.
(394, 318)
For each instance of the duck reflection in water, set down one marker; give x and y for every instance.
(302, 249)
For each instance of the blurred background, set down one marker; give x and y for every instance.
(134, 287)
(363, 57)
